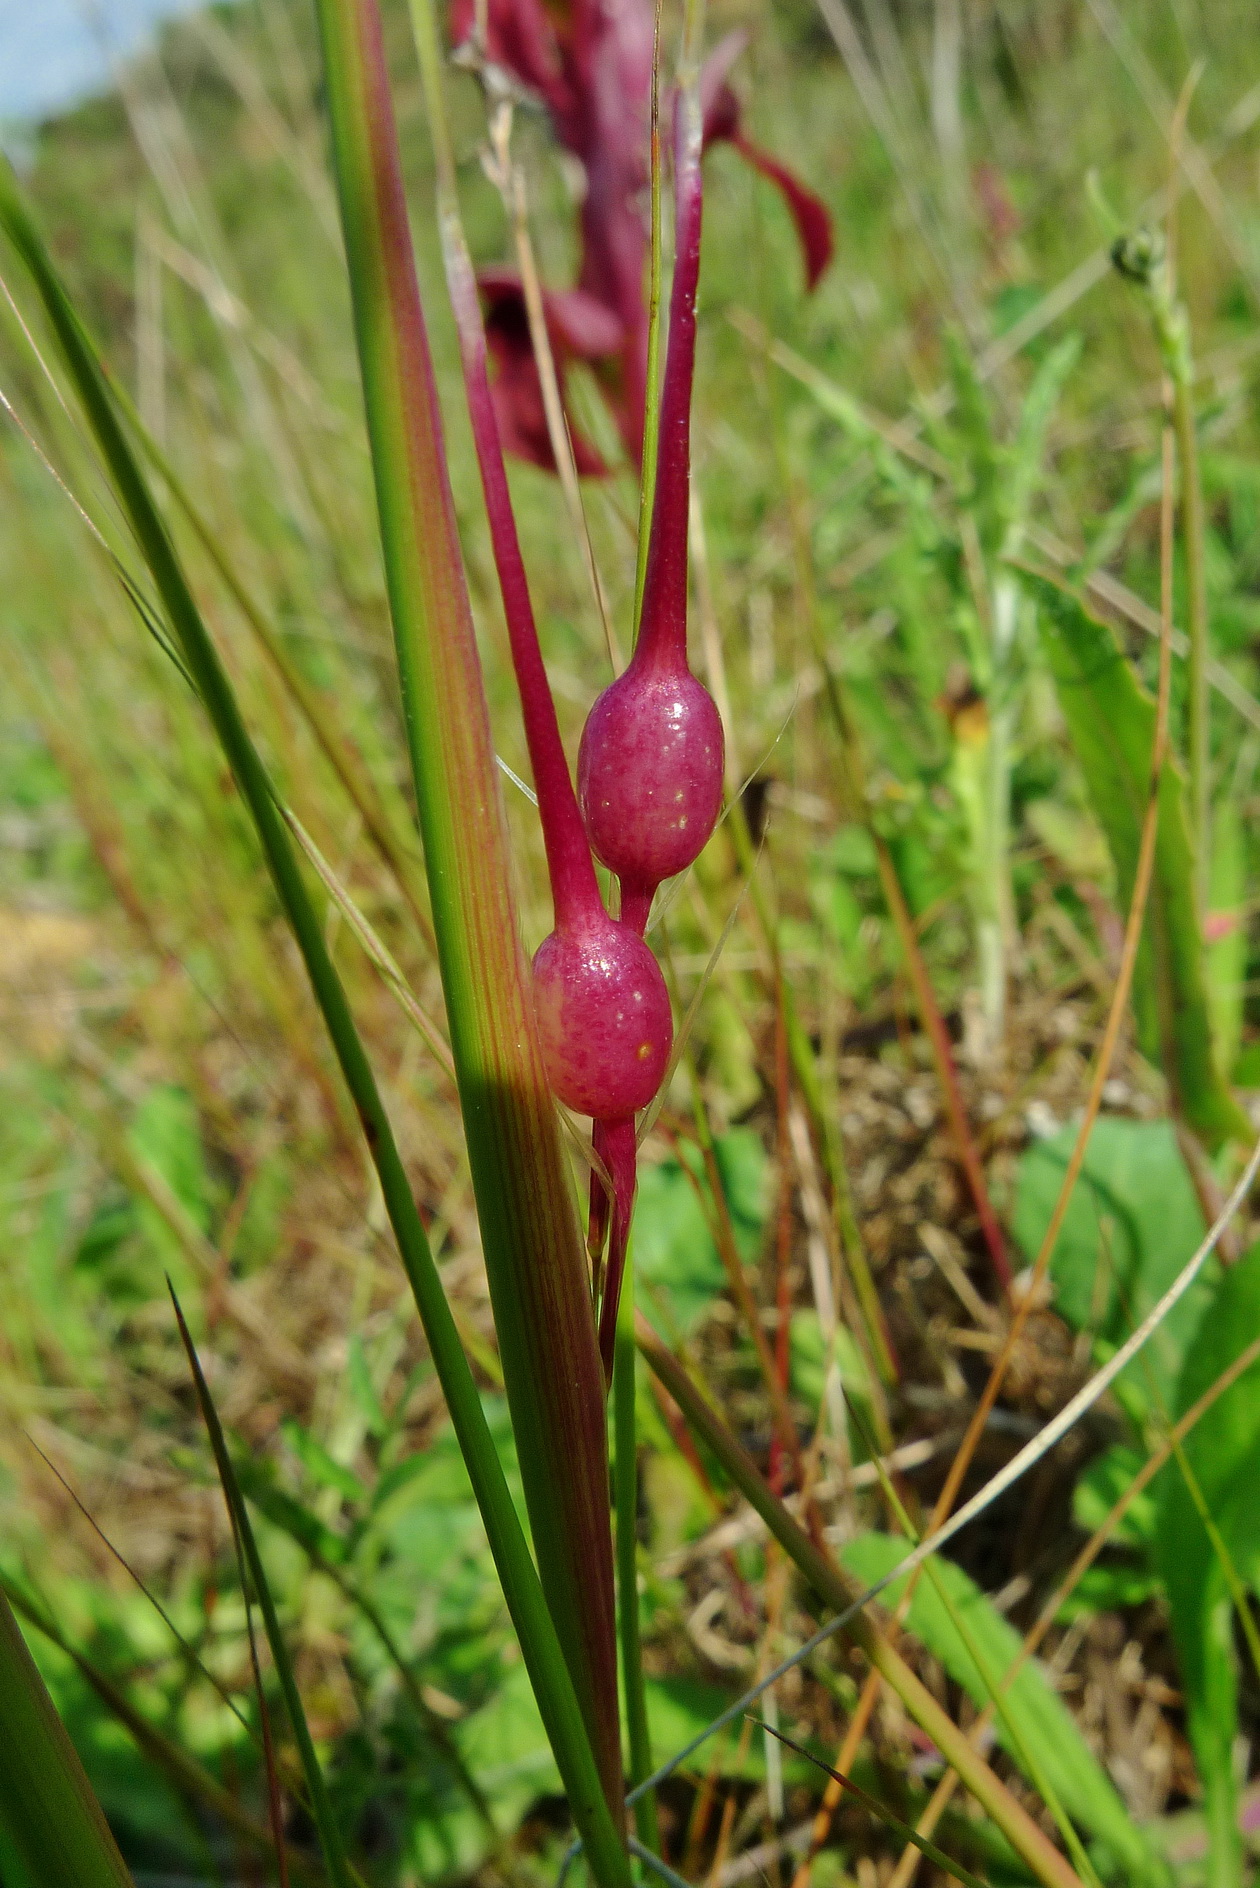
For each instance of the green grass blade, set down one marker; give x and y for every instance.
(49, 1815)
(626, 1487)
(1111, 717)
(325, 1551)
(534, 1257)
(321, 1808)
(540, 1645)
(901, 1830)
(189, 1777)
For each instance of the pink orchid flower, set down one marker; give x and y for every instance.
(590, 63)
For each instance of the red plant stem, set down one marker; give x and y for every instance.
(574, 886)
(636, 904)
(943, 1056)
(783, 1227)
(663, 632)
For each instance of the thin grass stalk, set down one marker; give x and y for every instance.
(254, 1587)
(883, 1815)
(250, 1480)
(48, 1812)
(717, 1211)
(837, 1589)
(626, 1492)
(547, 1665)
(346, 762)
(534, 1259)
(943, 1056)
(510, 181)
(1198, 744)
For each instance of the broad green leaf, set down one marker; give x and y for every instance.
(1111, 719)
(1102, 1485)
(319, 1465)
(1223, 1451)
(1120, 1848)
(1132, 1223)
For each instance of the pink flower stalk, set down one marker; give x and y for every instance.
(651, 759)
(602, 1007)
(590, 62)
(578, 328)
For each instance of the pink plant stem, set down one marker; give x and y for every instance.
(662, 640)
(574, 886)
(636, 904)
(663, 635)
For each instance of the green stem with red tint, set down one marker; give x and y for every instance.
(534, 1261)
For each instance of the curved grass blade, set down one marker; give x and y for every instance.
(878, 1810)
(540, 1645)
(324, 1549)
(249, 1561)
(49, 1816)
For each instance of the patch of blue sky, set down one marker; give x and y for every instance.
(55, 52)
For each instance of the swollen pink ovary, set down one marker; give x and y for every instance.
(650, 773)
(603, 1016)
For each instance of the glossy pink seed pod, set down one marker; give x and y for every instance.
(603, 1016)
(650, 773)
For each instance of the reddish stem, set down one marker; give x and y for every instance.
(636, 904)
(943, 1056)
(783, 1228)
(663, 634)
(574, 886)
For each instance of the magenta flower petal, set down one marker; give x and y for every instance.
(520, 37)
(723, 124)
(578, 327)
